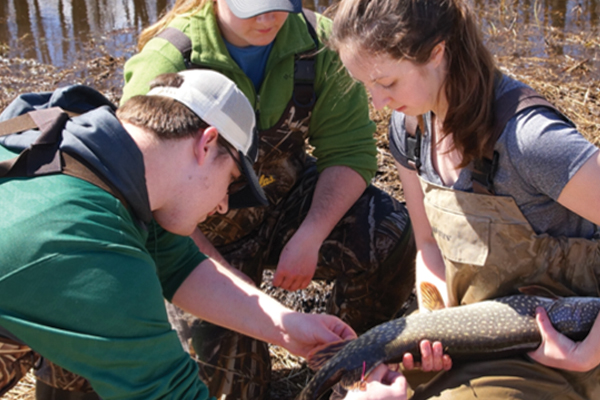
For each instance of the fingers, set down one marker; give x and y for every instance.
(543, 322)
(378, 373)
(343, 330)
(291, 282)
(432, 358)
(408, 361)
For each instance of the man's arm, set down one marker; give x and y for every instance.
(337, 189)
(214, 293)
(207, 248)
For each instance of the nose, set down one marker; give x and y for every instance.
(379, 100)
(266, 17)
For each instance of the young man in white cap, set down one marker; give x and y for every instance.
(325, 220)
(96, 213)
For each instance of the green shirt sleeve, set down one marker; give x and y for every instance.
(340, 129)
(175, 257)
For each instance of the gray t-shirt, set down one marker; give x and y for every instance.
(539, 153)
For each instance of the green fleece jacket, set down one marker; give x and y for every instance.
(340, 129)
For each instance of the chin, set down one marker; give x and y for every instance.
(177, 229)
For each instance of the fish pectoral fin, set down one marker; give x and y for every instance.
(431, 297)
(536, 290)
(321, 354)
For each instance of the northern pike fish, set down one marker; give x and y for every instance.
(489, 329)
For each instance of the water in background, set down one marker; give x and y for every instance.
(63, 32)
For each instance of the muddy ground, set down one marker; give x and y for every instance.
(570, 82)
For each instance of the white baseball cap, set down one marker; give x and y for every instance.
(251, 8)
(220, 103)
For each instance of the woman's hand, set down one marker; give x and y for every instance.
(381, 384)
(558, 351)
(432, 358)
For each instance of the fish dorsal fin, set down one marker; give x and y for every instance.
(431, 297)
(535, 290)
(321, 354)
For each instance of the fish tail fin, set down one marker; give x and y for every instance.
(431, 297)
(321, 354)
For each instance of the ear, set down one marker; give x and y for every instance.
(204, 143)
(437, 54)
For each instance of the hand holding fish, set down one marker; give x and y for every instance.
(558, 351)
(303, 333)
(382, 384)
(432, 358)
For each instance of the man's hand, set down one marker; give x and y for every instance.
(297, 262)
(558, 351)
(305, 332)
(338, 188)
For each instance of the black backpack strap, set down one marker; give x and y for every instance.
(44, 157)
(311, 23)
(304, 95)
(181, 41)
(414, 127)
(506, 107)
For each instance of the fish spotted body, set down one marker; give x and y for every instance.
(489, 329)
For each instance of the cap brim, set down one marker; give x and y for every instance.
(252, 195)
(248, 9)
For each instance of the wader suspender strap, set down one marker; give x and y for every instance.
(483, 169)
(304, 96)
(414, 127)
(44, 157)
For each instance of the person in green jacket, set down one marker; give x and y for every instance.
(89, 253)
(324, 219)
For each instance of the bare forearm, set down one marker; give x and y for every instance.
(207, 248)
(430, 264)
(337, 190)
(216, 294)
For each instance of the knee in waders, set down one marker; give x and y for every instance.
(15, 361)
(56, 383)
(380, 297)
(399, 273)
(233, 366)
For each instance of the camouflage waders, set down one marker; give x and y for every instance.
(52, 381)
(16, 360)
(56, 383)
(490, 250)
(370, 255)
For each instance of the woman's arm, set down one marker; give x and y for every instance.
(430, 265)
(582, 193)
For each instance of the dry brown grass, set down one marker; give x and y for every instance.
(572, 84)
